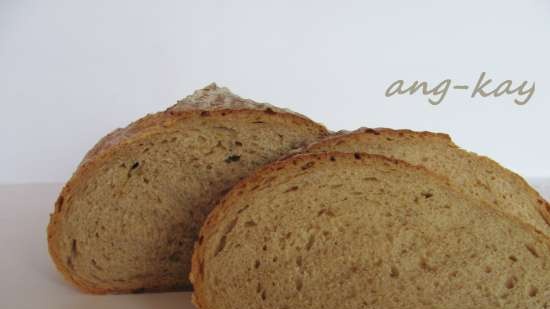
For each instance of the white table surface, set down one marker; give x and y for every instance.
(28, 278)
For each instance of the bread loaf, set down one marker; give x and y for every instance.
(476, 176)
(127, 219)
(343, 230)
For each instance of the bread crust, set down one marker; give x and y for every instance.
(120, 138)
(543, 207)
(382, 131)
(197, 267)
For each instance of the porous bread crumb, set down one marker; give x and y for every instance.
(476, 176)
(128, 218)
(343, 230)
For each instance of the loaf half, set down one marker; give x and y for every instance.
(476, 176)
(127, 219)
(342, 230)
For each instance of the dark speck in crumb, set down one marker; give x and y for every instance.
(232, 158)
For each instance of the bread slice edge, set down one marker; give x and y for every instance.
(197, 267)
(145, 127)
(543, 206)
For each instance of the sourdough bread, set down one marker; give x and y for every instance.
(342, 230)
(476, 176)
(127, 219)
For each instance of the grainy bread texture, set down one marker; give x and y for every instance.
(127, 219)
(342, 230)
(476, 176)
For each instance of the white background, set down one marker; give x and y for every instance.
(71, 71)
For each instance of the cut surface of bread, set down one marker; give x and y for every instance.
(476, 176)
(127, 219)
(343, 230)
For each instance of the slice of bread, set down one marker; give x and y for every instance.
(476, 176)
(127, 219)
(343, 230)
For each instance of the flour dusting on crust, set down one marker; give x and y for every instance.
(213, 97)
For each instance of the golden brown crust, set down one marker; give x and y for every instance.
(197, 267)
(136, 131)
(543, 207)
(337, 136)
